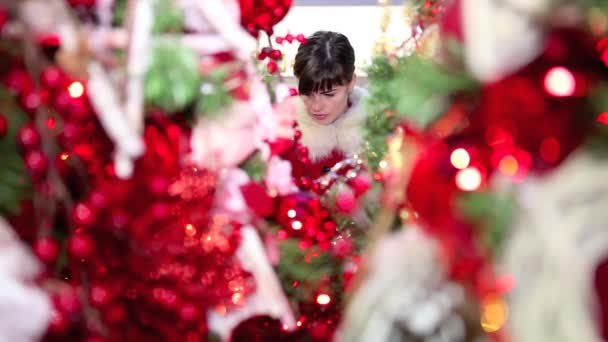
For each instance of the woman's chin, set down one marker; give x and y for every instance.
(322, 119)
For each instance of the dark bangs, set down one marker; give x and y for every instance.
(324, 61)
(319, 78)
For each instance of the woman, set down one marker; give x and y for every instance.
(331, 111)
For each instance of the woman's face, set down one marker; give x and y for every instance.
(325, 107)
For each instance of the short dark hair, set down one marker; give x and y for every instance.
(326, 59)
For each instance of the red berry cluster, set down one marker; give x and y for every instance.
(274, 55)
(289, 38)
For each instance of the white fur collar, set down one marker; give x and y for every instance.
(343, 135)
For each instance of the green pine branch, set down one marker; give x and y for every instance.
(306, 267)
(14, 183)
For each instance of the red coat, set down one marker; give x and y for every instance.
(326, 145)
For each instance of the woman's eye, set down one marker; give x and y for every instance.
(329, 95)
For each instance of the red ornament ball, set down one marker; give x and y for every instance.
(36, 163)
(28, 137)
(46, 249)
(84, 214)
(52, 78)
(360, 184)
(59, 324)
(346, 202)
(81, 245)
(262, 15)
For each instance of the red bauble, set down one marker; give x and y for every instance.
(84, 214)
(28, 137)
(346, 202)
(67, 301)
(81, 245)
(360, 184)
(99, 295)
(46, 249)
(262, 15)
(53, 78)
(59, 324)
(343, 246)
(3, 126)
(36, 163)
(32, 100)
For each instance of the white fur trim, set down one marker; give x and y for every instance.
(343, 135)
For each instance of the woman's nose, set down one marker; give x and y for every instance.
(316, 104)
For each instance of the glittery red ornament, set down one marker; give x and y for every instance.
(262, 15)
(81, 245)
(67, 300)
(53, 78)
(360, 184)
(46, 249)
(32, 100)
(59, 324)
(99, 295)
(28, 136)
(346, 202)
(84, 214)
(36, 163)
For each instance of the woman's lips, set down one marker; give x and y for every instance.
(319, 116)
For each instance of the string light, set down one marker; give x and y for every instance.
(296, 225)
(468, 179)
(323, 299)
(460, 158)
(76, 89)
(494, 314)
(559, 81)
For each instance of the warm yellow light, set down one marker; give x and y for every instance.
(468, 179)
(508, 165)
(460, 158)
(76, 89)
(494, 314)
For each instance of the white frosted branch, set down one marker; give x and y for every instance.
(138, 60)
(105, 101)
(218, 16)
